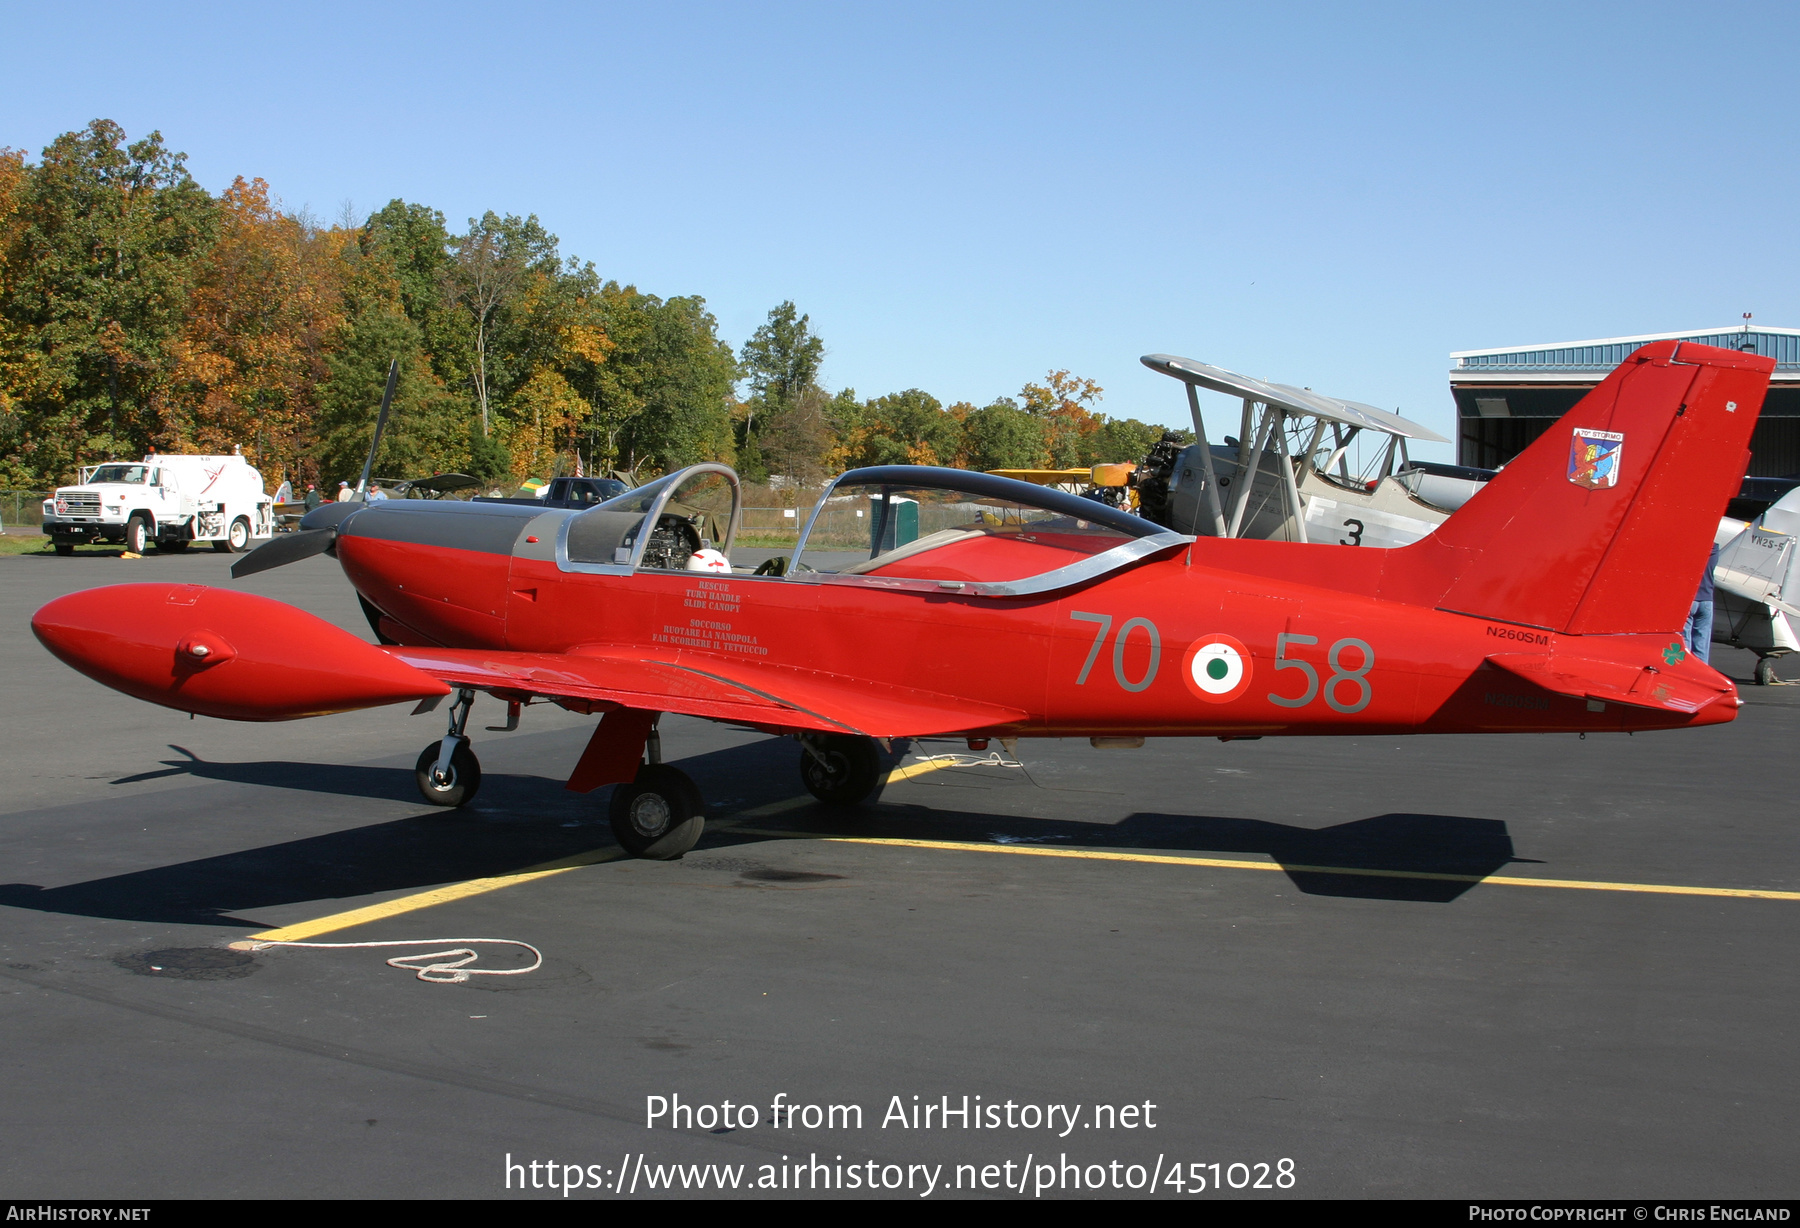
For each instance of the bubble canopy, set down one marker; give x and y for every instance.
(920, 527)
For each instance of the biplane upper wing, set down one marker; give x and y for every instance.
(692, 685)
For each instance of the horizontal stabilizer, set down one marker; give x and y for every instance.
(729, 691)
(1617, 682)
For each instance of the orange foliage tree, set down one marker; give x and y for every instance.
(262, 316)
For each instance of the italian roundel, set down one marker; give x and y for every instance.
(1216, 668)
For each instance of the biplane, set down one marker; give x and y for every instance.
(1287, 474)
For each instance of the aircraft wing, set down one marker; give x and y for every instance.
(1615, 682)
(742, 692)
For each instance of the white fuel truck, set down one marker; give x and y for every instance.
(169, 500)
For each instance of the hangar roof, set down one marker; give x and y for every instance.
(1583, 362)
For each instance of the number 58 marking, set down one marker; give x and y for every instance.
(1339, 675)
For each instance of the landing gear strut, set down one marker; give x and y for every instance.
(448, 773)
(839, 769)
(660, 814)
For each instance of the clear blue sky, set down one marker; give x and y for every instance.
(963, 196)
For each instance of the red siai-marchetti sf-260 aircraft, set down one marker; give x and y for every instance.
(925, 601)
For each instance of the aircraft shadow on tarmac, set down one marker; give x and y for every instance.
(1374, 858)
(524, 820)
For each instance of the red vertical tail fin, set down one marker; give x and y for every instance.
(1603, 525)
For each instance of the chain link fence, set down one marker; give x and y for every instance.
(22, 508)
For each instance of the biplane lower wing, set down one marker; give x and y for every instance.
(773, 697)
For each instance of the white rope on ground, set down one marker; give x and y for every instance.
(991, 759)
(444, 971)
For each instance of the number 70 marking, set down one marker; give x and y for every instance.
(1104, 622)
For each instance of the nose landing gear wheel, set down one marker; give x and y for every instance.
(839, 769)
(460, 781)
(659, 815)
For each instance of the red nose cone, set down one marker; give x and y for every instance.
(222, 653)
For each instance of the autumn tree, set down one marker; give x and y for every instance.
(1063, 403)
(798, 440)
(264, 309)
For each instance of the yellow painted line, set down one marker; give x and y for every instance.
(437, 895)
(1224, 864)
(481, 886)
(912, 771)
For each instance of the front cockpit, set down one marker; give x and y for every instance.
(686, 521)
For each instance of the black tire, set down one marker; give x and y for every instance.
(465, 776)
(65, 549)
(849, 771)
(1765, 671)
(658, 816)
(237, 537)
(137, 535)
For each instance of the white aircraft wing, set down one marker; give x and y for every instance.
(1287, 397)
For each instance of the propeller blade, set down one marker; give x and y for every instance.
(330, 515)
(387, 398)
(284, 549)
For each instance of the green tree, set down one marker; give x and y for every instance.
(780, 363)
(781, 359)
(1003, 436)
(100, 254)
(903, 428)
(490, 267)
(661, 397)
(1121, 439)
(424, 432)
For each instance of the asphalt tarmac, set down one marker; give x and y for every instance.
(1344, 965)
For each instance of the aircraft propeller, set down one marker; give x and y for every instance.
(318, 528)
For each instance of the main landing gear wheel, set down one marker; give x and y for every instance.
(839, 769)
(460, 781)
(659, 815)
(1765, 671)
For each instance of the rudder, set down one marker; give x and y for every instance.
(1603, 524)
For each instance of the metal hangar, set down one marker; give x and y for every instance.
(1507, 397)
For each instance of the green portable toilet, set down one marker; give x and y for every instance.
(898, 526)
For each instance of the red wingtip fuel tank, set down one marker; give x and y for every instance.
(218, 652)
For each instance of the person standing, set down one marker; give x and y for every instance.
(313, 497)
(345, 494)
(1700, 614)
